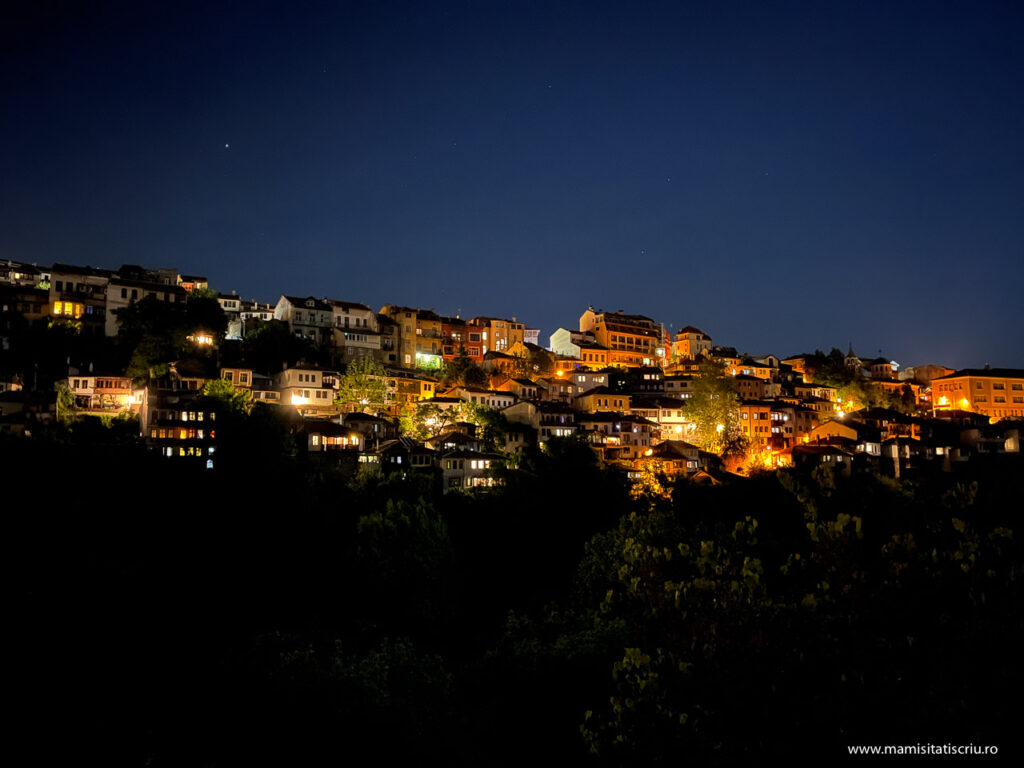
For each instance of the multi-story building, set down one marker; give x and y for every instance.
(559, 388)
(581, 346)
(80, 294)
(625, 437)
(602, 399)
(186, 430)
(405, 389)
(465, 468)
(490, 398)
(755, 421)
(177, 421)
(22, 274)
(994, 392)
(499, 334)
(308, 318)
(459, 337)
(355, 331)
(524, 389)
(104, 393)
(548, 419)
(419, 337)
(631, 340)
(309, 388)
(672, 457)
(747, 366)
(678, 385)
(669, 413)
(231, 306)
(252, 313)
(750, 387)
(238, 377)
(585, 380)
(790, 424)
(820, 391)
(690, 343)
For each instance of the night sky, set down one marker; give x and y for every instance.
(784, 176)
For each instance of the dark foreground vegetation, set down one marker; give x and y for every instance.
(267, 612)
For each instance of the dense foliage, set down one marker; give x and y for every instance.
(270, 612)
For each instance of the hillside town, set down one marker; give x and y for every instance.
(407, 389)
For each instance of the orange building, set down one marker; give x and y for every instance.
(631, 340)
(499, 334)
(994, 392)
(458, 336)
(602, 399)
(755, 421)
(690, 343)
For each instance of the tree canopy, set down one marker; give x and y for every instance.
(232, 398)
(713, 408)
(462, 371)
(363, 386)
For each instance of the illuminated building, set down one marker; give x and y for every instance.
(104, 393)
(994, 392)
(328, 437)
(602, 399)
(755, 421)
(624, 436)
(309, 388)
(419, 337)
(581, 346)
(183, 429)
(464, 468)
(547, 419)
(690, 343)
(80, 294)
(631, 340)
(499, 334)
(458, 337)
(669, 413)
(24, 275)
(674, 458)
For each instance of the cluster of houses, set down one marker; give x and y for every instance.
(618, 380)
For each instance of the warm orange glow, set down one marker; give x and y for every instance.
(68, 308)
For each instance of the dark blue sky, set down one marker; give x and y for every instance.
(783, 175)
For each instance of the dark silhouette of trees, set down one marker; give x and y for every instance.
(273, 611)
